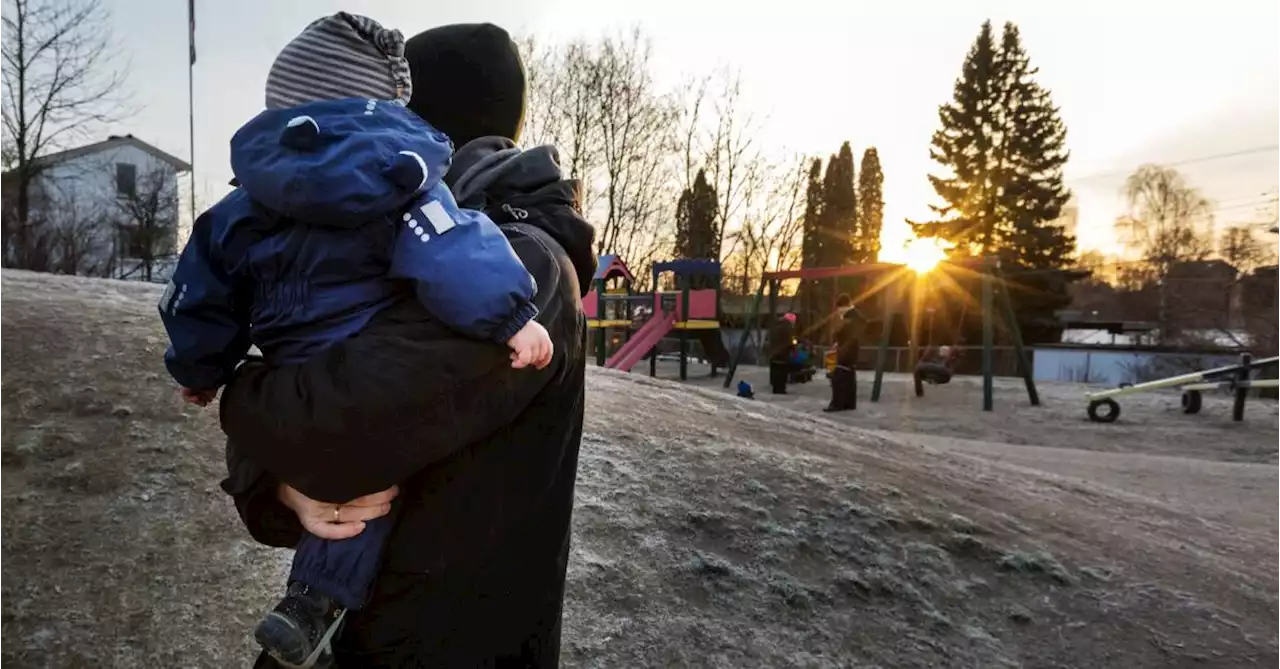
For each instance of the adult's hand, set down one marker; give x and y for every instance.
(336, 521)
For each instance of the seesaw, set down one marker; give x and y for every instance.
(1103, 407)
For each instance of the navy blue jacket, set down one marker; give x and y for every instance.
(340, 203)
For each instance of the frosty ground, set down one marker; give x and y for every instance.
(708, 531)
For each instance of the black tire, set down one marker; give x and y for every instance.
(1104, 411)
(1191, 400)
(1126, 384)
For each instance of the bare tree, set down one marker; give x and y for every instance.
(719, 135)
(637, 136)
(62, 79)
(768, 238)
(76, 241)
(597, 101)
(1241, 248)
(148, 223)
(1169, 222)
(564, 107)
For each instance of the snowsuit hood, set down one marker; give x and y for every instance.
(494, 175)
(338, 163)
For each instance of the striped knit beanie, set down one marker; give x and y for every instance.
(338, 57)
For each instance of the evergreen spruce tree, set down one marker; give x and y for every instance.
(964, 145)
(840, 213)
(809, 293)
(1004, 146)
(1032, 156)
(870, 206)
(840, 241)
(696, 224)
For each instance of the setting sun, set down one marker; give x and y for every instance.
(923, 254)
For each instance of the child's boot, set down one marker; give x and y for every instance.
(299, 630)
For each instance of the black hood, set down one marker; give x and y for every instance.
(492, 174)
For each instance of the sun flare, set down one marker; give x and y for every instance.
(923, 254)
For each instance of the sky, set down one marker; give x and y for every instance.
(1196, 86)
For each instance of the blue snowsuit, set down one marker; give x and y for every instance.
(340, 213)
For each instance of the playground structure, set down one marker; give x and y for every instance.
(995, 288)
(1103, 407)
(612, 308)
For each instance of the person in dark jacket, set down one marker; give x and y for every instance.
(313, 244)
(781, 345)
(844, 378)
(483, 457)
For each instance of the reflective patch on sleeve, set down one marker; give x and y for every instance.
(172, 297)
(436, 215)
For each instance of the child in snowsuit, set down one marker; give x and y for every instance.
(340, 212)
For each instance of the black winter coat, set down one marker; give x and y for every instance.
(781, 341)
(851, 329)
(485, 456)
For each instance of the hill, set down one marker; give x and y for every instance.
(708, 531)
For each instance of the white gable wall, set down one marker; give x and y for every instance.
(83, 191)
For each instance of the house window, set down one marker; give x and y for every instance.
(126, 179)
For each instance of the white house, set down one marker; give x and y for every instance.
(107, 207)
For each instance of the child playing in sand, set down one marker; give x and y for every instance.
(340, 212)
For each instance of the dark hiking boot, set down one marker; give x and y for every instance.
(298, 631)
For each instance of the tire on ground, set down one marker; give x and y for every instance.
(1191, 401)
(1104, 411)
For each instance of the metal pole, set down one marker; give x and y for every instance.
(748, 324)
(1275, 289)
(988, 338)
(684, 282)
(1011, 320)
(913, 347)
(882, 351)
(191, 102)
(602, 338)
(1242, 387)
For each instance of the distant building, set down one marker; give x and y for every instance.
(82, 204)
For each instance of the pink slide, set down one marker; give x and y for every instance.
(644, 339)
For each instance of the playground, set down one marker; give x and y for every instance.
(708, 530)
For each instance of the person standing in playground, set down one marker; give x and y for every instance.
(781, 345)
(844, 379)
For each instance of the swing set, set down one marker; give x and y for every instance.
(995, 295)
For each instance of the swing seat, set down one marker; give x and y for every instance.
(933, 373)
